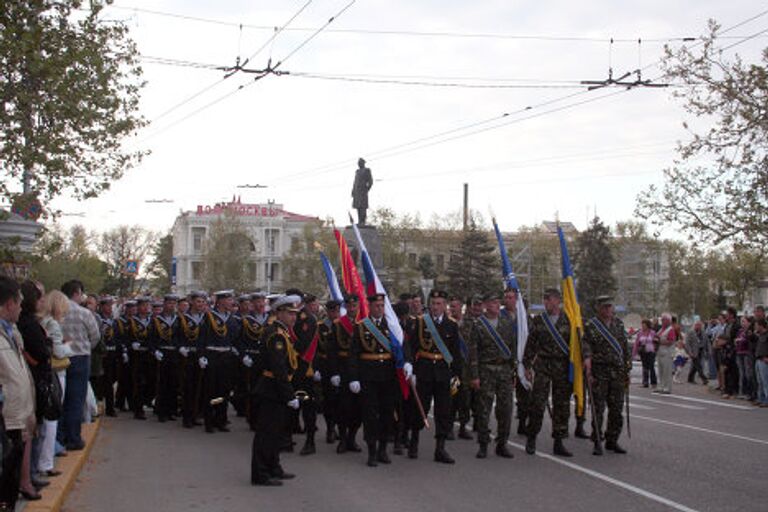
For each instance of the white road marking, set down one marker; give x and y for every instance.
(720, 403)
(609, 479)
(664, 402)
(643, 407)
(702, 429)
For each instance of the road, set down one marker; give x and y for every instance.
(690, 451)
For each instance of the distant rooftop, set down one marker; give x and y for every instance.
(567, 227)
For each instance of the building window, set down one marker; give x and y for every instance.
(198, 235)
(271, 271)
(197, 270)
(271, 236)
(412, 259)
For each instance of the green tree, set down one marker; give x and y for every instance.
(427, 267)
(70, 92)
(689, 281)
(474, 264)
(301, 265)
(159, 267)
(400, 237)
(228, 255)
(725, 200)
(593, 264)
(119, 245)
(736, 272)
(60, 256)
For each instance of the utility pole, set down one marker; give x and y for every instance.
(270, 246)
(466, 206)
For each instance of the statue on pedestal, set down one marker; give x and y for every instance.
(363, 183)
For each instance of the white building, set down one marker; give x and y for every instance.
(270, 229)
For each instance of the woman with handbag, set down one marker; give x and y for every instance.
(645, 345)
(37, 352)
(56, 306)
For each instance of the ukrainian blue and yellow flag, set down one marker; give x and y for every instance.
(573, 311)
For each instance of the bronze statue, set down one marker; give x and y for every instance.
(363, 183)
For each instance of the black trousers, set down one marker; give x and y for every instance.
(350, 408)
(191, 387)
(141, 362)
(124, 384)
(13, 452)
(378, 405)
(331, 402)
(429, 391)
(217, 383)
(166, 403)
(271, 418)
(309, 406)
(696, 368)
(112, 364)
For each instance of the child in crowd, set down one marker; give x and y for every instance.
(679, 361)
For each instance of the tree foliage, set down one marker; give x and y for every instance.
(159, 266)
(593, 264)
(474, 267)
(399, 236)
(63, 255)
(119, 245)
(70, 87)
(717, 189)
(301, 265)
(227, 255)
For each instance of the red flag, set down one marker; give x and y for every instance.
(349, 276)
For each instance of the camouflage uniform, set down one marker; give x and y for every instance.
(550, 366)
(496, 376)
(462, 400)
(611, 373)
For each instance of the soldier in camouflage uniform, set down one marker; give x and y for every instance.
(547, 360)
(462, 400)
(492, 371)
(607, 361)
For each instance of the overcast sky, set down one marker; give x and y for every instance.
(302, 136)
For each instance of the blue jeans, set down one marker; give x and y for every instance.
(761, 368)
(74, 400)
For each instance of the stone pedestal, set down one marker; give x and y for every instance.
(372, 242)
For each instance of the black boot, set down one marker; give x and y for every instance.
(397, 449)
(482, 452)
(559, 449)
(614, 447)
(579, 433)
(530, 445)
(463, 434)
(451, 436)
(598, 449)
(413, 445)
(441, 455)
(372, 455)
(342, 446)
(521, 430)
(309, 445)
(382, 456)
(330, 433)
(352, 445)
(503, 451)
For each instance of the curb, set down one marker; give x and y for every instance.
(70, 466)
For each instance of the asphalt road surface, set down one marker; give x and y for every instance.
(690, 451)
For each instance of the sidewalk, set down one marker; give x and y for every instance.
(70, 467)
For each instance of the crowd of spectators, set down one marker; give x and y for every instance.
(45, 346)
(729, 350)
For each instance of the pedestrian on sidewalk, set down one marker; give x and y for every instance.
(80, 327)
(695, 345)
(645, 345)
(666, 350)
(744, 360)
(761, 366)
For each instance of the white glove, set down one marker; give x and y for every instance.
(247, 361)
(184, 351)
(408, 369)
(158, 355)
(354, 386)
(135, 345)
(235, 351)
(317, 377)
(336, 381)
(125, 357)
(294, 404)
(412, 380)
(203, 361)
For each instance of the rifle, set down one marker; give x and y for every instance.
(590, 396)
